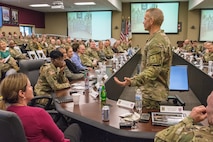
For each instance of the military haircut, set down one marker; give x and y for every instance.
(157, 15)
(55, 54)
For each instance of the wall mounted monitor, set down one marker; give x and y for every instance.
(95, 25)
(170, 10)
(206, 25)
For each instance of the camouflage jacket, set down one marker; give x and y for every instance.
(16, 54)
(50, 79)
(208, 56)
(85, 60)
(185, 131)
(156, 62)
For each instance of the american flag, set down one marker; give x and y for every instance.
(123, 30)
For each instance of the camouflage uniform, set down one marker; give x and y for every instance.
(185, 131)
(154, 79)
(50, 79)
(11, 62)
(120, 49)
(108, 52)
(208, 56)
(72, 76)
(85, 60)
(16, 54)
(92, 54)
(188, 48)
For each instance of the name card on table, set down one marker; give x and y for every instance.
(126, 104)
(173, 109)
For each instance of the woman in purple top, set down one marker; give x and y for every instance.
(17, 91)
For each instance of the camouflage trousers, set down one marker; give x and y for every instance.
(150, 104)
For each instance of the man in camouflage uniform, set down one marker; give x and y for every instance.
(15, 53)
(187, 130)
(52, 76)
(156, 61)
(92, 51)
(85, 59)
(108, 50)
(187, 45)
(208, 55)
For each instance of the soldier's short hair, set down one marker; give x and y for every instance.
(55, 54)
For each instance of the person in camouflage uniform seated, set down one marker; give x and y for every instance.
(8, 64)
(156, 61)
(52, 76)
(187, 130)
(208, 55)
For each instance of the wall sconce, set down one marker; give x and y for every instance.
(116, 27)
(193, 27)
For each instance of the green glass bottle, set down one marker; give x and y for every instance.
(103, 94)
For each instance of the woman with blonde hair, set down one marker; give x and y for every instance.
(16, 91)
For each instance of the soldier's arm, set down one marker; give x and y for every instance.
(174, 133)
(51, 77)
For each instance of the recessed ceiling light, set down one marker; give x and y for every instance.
(85, 3)
(39, 5)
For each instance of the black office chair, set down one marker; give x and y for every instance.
(31, 69)
(11, 129)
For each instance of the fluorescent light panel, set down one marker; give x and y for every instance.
(39, 5)
(85, 3)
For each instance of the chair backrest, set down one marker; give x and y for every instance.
(41, 54)
(32, 55)
(11, 129)
(17, 48)
(31, 69)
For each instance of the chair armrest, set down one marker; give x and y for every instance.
(47, 106)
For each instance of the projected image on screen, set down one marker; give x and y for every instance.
(170, 11)
(89, 25)
(206, 27)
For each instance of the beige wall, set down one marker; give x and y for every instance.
(13, 29)
(56, 23)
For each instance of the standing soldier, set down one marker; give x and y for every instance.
(156, 61)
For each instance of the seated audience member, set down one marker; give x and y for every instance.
(92, 51)
(17, 91)
(100, 51)
(187, 130)
(68, 73)
(117, 48)
(85, 59)
(208, 55)
(8, 64)
(69, 62)
(76, 57)
(52, 76)
(14, 53)
(187, 46)
(108, 50)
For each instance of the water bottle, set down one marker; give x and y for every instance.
(86, 79)
(138, 100)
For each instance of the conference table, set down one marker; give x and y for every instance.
(199, 81)
(89, 111)
(88, 114)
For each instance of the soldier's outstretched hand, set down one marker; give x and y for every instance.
(126, 81)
